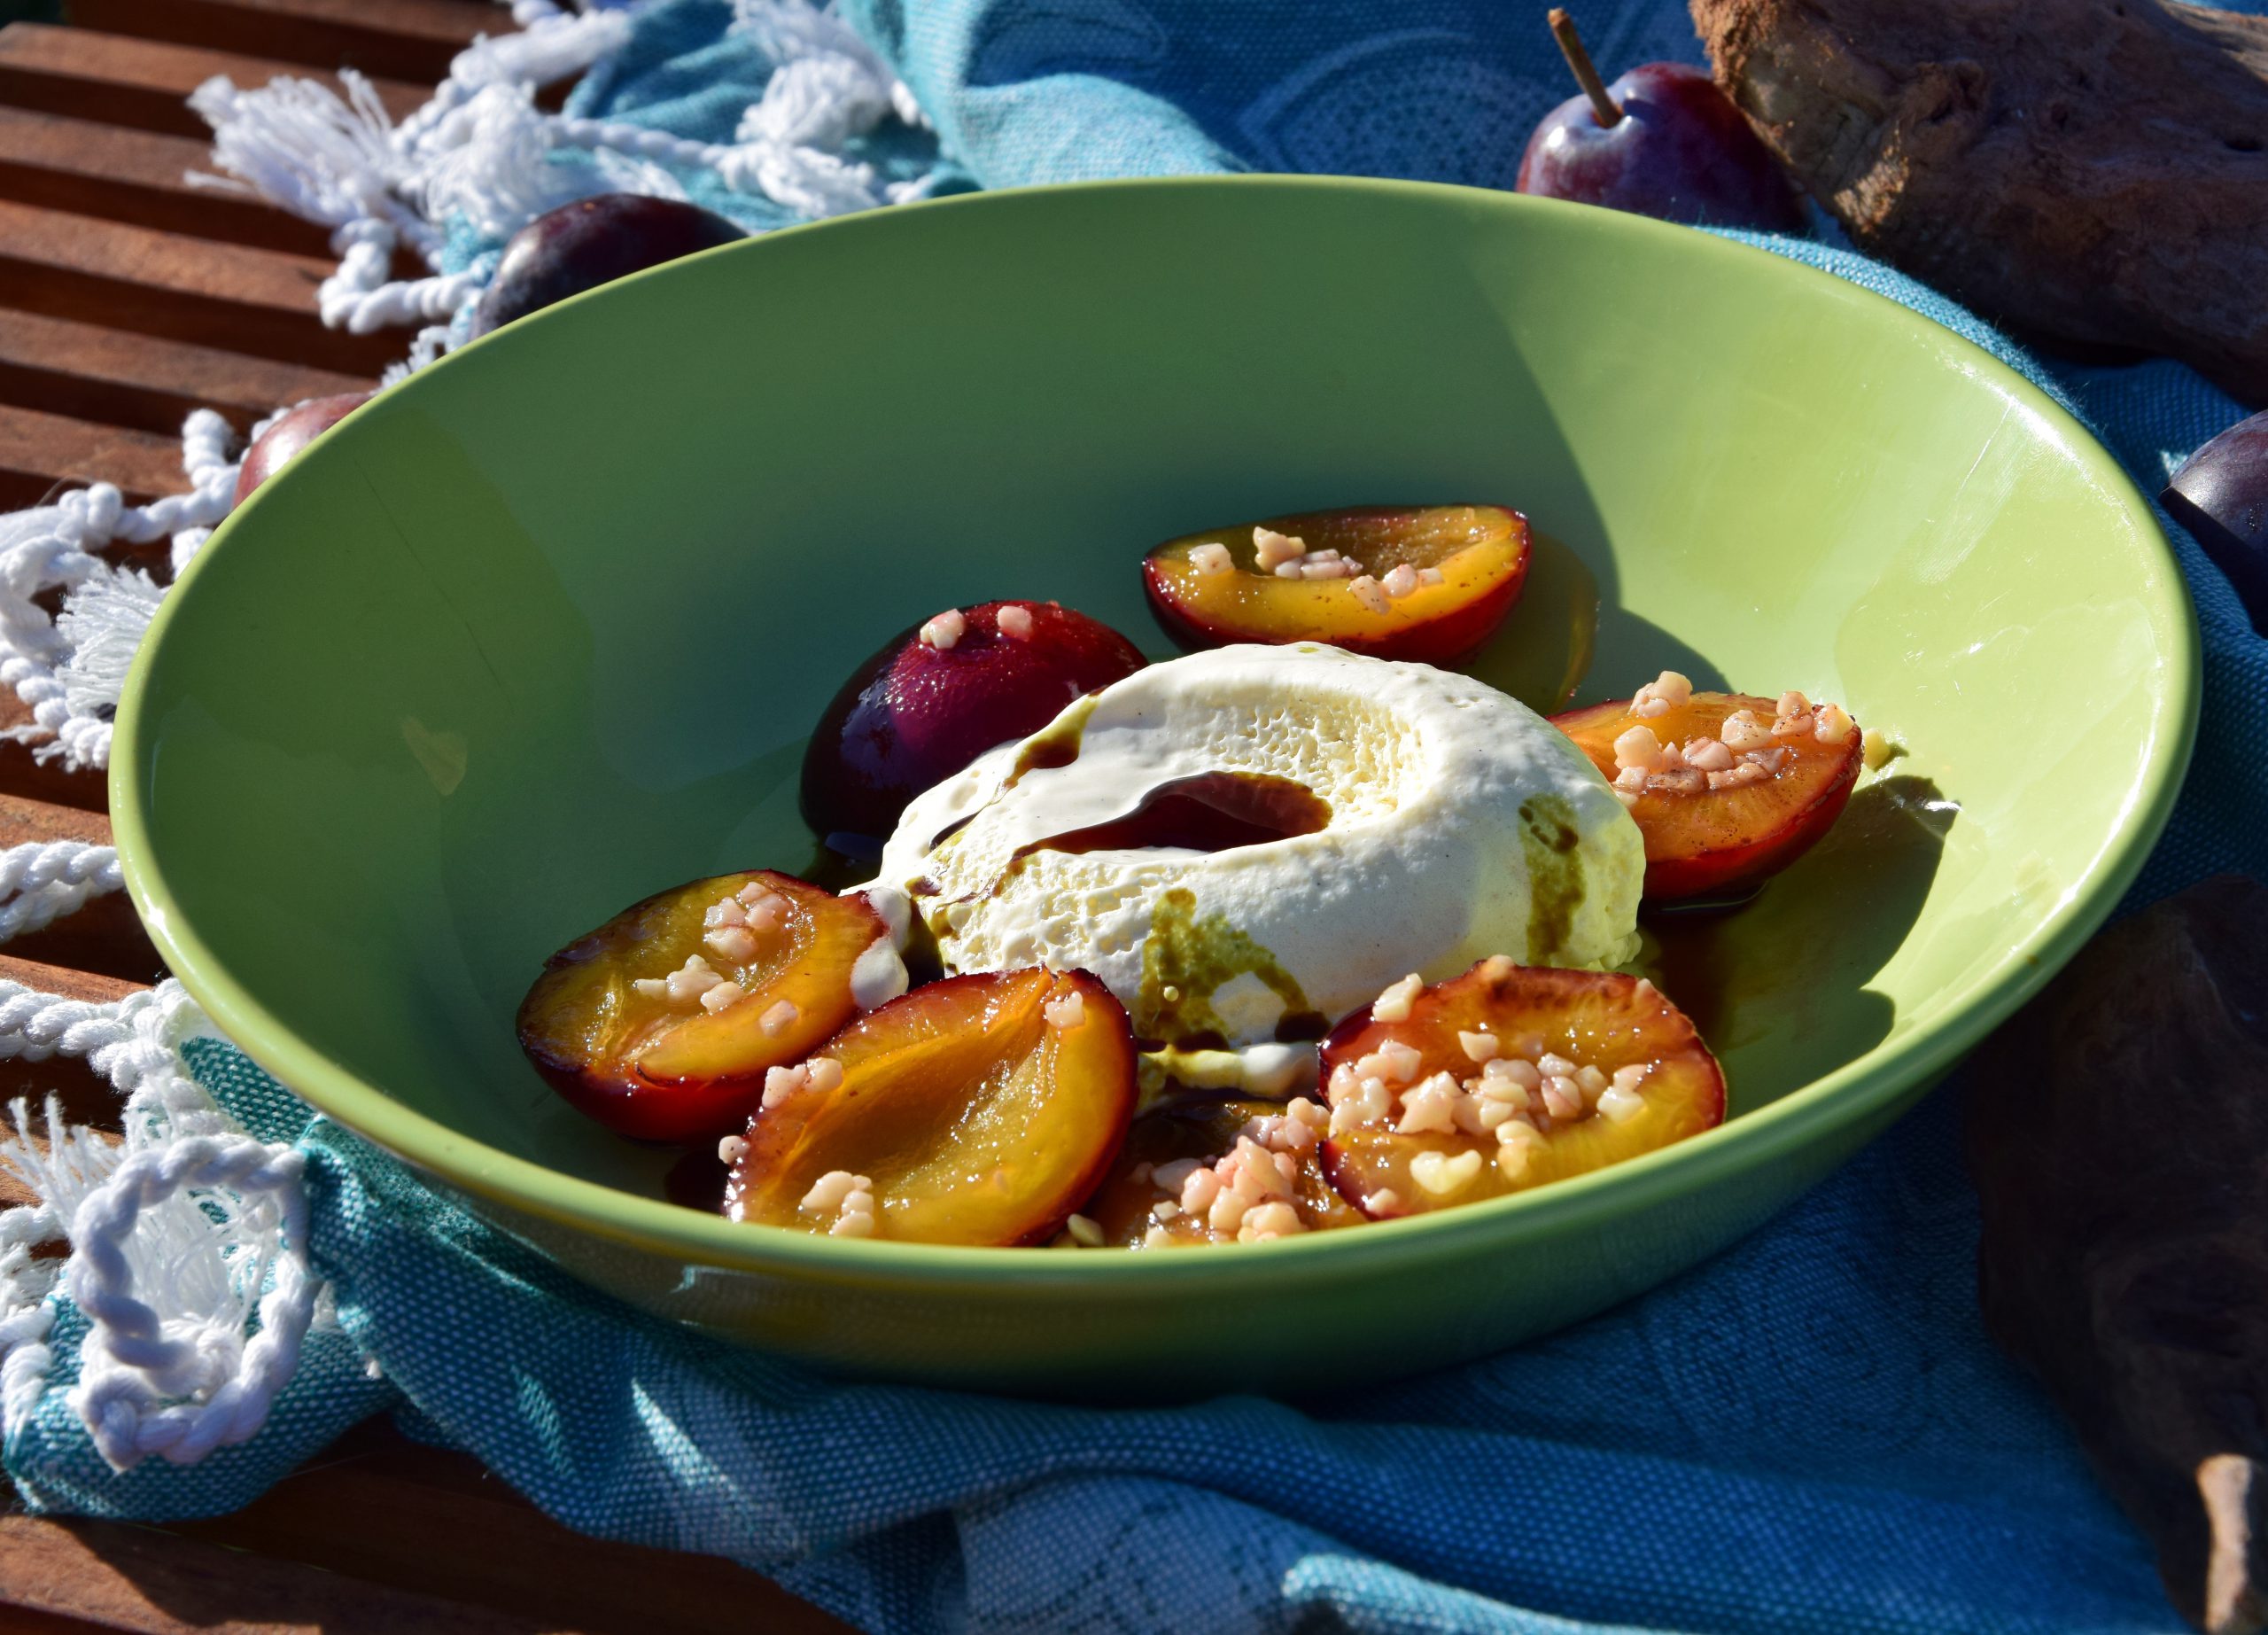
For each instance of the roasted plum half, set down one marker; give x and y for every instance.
(939, 695)
(663, 1023)
(1506, 1079)
(1216, 1171)
(980, 1110)
(1430, 584)
(1727, 788)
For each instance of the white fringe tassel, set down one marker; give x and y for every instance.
(180, 1233)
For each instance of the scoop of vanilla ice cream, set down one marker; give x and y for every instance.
(1461, 824)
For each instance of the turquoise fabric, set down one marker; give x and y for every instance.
(1809, 1433)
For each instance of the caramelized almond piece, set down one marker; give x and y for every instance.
(1426, 1147)
(661, 1066)
(1200, 1130)
(1209, 589)
(979, 1111)
(1722, 841)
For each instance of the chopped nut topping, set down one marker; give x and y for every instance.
(1660, 696)
(1442, 1175)
(1638, 750)
(944, 630)
(1479, 1047)
(1085, 1232)
(830, 1189)
(1371, 594)
(1877, 750)
(1066, 1011)
(1743, 731)
(1013, 622)
(1833, 725)
(690, 980)
(735, 943)
(1400, 581)
(1274, 549)
(779, 1018)
(731, 1149)
(1212, 560)
(1270, 1220)
(721, 995)
(1430, 1107)
(1394, 1004)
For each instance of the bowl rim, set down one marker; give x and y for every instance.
(1873, 1082)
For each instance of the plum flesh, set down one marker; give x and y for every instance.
(979, 1111)
(1429, 583)
(630, 1025)
(1506, 1079)
(1718, 822)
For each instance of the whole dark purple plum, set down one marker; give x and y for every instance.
(936, 697)
(2220, 495)
(591, 242)
(1661, 141)
(291, 433)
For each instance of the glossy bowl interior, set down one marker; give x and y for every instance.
(541, 632)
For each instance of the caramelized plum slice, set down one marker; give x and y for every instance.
(1395, 582)
(1140, 1205)
(1727, 788)
(979, 1109)
(1505, 1079)
(939, 695)
(662, 1023)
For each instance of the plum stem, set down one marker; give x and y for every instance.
(1579, 63)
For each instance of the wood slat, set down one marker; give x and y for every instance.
(41, 454)
(108, 1575)
(225, 295)
(92, 168)
(400, 39)
(144, 381)
(139, 82)
(435, 1522)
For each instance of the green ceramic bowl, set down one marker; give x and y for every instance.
(541, 631)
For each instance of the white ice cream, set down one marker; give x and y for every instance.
(1462, 824)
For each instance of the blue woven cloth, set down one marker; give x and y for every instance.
(1809, 1433)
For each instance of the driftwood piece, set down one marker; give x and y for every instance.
(2089, 172)
(2118, 1135)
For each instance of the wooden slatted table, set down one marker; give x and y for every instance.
(128, 299)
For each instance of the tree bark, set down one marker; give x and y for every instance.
(2117, 1130)
(2090, 173)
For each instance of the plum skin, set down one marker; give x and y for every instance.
(1729, 871)
(913, 715)
(593, 241)
(293, 432)
(1681, 153)
(2220, 495)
